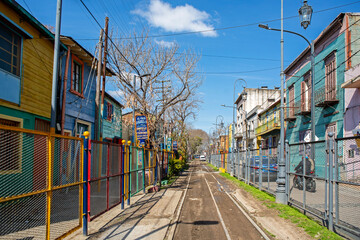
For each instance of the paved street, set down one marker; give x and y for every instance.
(209, 212)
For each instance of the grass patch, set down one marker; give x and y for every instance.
(213, 167)
(314, 229)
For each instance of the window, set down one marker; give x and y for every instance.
(81, 127)
(108, 111)
(351, 153)
(291, 101)
(77, 69)
(10, 46)
(10, 146)
(306, 93)
(330, 77)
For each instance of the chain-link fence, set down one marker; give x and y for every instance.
(40, 184)
(322, 178)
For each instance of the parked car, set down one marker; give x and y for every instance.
(202, 158)
(269, 168)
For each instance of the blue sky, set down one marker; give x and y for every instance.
(246, 51)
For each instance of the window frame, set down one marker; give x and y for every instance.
(292, 101)
(20, 48)
(82, 122)
(81, 63)
(21, 121)
(328, 60)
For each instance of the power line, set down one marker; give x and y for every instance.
(229, 27)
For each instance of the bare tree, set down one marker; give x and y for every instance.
(171, 75)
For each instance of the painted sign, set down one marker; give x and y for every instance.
(141, 130)
(175, 146)
(168, 145)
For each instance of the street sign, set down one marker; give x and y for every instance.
(141, 130)
(168, 145)
(175, 146)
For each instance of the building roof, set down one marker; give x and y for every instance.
(112, 99)
(32, 20)
(335, 23)
(82, 53)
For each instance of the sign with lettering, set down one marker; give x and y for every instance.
(175, 146)
(169, 144)
(141, 130)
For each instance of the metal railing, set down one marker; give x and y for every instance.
(41, 184)
(322, 178)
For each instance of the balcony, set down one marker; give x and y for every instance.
(326, 97)
(302, 108)
(268, 126)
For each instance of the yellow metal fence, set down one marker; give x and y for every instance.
(41, 190)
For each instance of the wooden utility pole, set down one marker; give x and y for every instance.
(105, 59)
(97, 97)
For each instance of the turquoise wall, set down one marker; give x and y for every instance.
(321, 119)
(22, 182)
(112, 128)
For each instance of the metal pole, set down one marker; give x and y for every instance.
(312, 101)
(331, 186)
(280, 190)
(287, 160)
(133, 107)
(55, 66)
(97, 95)
(260, 168)
(85, 179)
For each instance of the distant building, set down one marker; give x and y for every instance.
(268, 130)
(248, 104)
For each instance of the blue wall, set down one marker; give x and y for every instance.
(77, 107)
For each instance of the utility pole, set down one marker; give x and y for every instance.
(55, 66)
(104, 72)
(97, 97)
(104, 60)
(163, 92)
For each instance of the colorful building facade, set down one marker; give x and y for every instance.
(112, 119)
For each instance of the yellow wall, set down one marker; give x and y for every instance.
(37, 61)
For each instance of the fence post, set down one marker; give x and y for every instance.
(108, 177)
(129, 182)
(303, 175)
(331, 158)
(260, 168)
(85, 184)
(123, 154)
(143, 163)
(336, 182)
(246, 166)
(287, 170)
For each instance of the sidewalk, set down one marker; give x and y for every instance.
(148, 217)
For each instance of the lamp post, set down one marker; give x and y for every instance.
(133, 107)
(305, 13)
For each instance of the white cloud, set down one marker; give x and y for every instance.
(165, 43)
(177, 19)
(117, 94)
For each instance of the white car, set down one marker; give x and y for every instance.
(202, 158)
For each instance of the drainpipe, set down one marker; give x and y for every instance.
(64, 91)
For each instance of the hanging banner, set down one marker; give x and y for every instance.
(141, 130)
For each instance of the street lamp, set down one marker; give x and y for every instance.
(305, 13)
